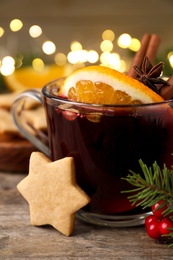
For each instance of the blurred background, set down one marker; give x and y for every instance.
(41, 40)
(62, 35)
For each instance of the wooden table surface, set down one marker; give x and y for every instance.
(20, 240)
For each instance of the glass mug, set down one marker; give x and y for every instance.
(106, 141)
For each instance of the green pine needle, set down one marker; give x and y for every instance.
(153, 186)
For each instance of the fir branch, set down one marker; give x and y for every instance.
(150, 188)
(153, 186)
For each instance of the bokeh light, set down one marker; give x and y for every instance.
(106, 46)
(35, 31)
(60, 59)
(82, 55)
(124, 40)
(19, 62)
(1, 31)
(38, 64)
(75, 46)
(72, 57)
(48, 47)
(110, 59)
(170, 58)
(108, 35)
(7, 65)
(79, 56)
(134, 45)
(92, 56)
(16, 25)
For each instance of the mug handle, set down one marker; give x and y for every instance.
(16, 111)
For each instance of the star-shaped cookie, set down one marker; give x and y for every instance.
(52, 192)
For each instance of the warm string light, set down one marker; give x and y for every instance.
(110, 47)
(170, 58)
(16, 25)
(1, 31)
(7, 65)
(35, 31)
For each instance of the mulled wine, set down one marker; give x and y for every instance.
(108, 141)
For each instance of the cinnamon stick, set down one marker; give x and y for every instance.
(166, 92)
(140, 54)
(153, 47)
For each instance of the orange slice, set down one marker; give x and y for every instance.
(26, 77)
(102, 85)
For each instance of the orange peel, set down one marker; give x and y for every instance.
(103, 85)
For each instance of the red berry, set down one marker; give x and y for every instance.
(153, 229)
(70, 115)
(164, 226)
(149, 219)
(159, 212)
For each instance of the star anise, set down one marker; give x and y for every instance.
(149, 75)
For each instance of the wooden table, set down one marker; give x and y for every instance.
(20, 240)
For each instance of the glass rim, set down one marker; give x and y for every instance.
(77, 103)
